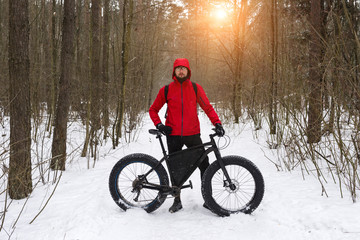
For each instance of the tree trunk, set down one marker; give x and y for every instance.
(54, 80)
(46, 58)
(66, 74)
(19, 185)
(127, 22)
(153, 56)
(95, 63)
(315, 74)
(239, 44)
(77, 94)
(95, 76)
(274, 62)
(105, 67)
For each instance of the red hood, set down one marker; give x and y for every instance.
(181, 62)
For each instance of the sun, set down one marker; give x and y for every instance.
(220, 14)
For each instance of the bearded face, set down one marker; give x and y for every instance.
(181, 73)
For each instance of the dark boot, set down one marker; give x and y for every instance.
(176, 205)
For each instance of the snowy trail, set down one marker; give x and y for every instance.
(82, 208)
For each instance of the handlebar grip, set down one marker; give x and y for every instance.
(213, 134)
(154, 131)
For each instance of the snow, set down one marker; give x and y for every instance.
(81, 206)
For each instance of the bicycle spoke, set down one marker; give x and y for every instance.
(233, 200)
(125, 184)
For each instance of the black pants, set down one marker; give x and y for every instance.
(175, 143)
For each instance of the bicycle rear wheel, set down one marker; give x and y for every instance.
(244, 196)
(124, 176)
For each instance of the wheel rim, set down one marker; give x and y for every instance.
(233, 200)
(125, 180)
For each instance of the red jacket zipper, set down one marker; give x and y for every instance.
(182, 110)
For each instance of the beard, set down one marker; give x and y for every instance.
(182, 79)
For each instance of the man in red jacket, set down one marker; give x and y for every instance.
(182, 125)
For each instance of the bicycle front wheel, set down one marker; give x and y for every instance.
(245, 193)
(123, 179)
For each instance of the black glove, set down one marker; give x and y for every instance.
(164, 129)
(219, 130)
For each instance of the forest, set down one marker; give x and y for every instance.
(288, 66)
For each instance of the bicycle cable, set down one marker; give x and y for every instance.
(226, 143)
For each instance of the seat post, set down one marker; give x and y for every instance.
(161, 143)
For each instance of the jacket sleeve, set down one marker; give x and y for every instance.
(156, 106)
(206, 106)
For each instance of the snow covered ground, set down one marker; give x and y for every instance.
(82, 208)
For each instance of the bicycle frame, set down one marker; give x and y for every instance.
(211, 146)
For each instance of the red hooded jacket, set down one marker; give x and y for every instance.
(182, 105)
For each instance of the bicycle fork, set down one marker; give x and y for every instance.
(227, 181)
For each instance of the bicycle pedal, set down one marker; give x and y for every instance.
(188, 186)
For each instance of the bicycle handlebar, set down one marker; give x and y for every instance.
(155, 132)
(159, 133)
(214, 134)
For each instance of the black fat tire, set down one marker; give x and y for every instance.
(246, 173)
(123, 196)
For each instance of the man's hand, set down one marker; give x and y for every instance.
(219, 130)
(164, 129)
